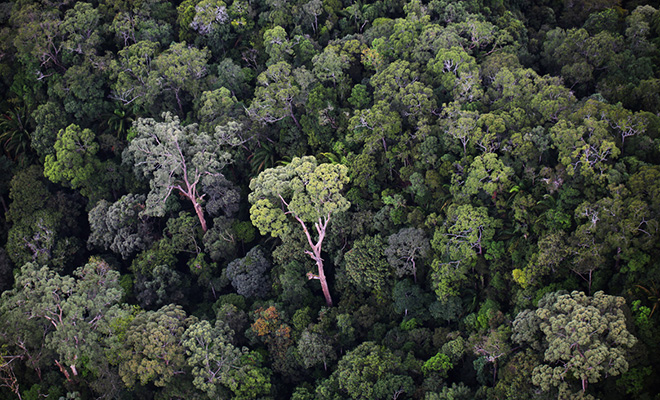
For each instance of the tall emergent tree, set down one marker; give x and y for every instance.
(305, 191)
(584, 337)
(176, 157)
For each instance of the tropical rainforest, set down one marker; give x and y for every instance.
(330, 199)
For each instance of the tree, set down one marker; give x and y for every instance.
(119, 226)
(75, 162)
(162, 285)
(306, 192)
(315, 349)
(211, 354)
(404, 247)
(458, 74)
(130, 74)
(273, 331)
(583, 337)
(486, 173)
(77, 311)
(367, 267)
(176, 157)
(374, 127)
(248, 274)
(180, 69)
(460, 241)
(136, 21)
(410, 300)
(369, 371)
(587, 148)
(152, 350)
(277, 45)
(277, 94)
(41, 221)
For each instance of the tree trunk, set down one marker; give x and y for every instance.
(324, 283)
(200, 214)
(315, 254)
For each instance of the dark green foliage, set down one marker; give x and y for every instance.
(355, 199)
(248, 274)
(367, 266)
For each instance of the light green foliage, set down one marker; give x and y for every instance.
(398, 85)
(118, 226)
(583, 337)
(183, 234)
(180, 69)
(75, 162)
(80, 29)
(211, 354)
(216, 107)
(277, 94)
(439, 363)
(130, 73)
(459, 126)
(143, 76)
(487, 172)
(308, 190)
(250, 380)
(329, 66)
(177, 158)
(248, 275)
(374, 127)
(152, 351)
(160, 253)
(464, 233)
(277, 45)
(587, 148)
(360, 98)
(553, 250)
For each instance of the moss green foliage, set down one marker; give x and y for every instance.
(329, 199)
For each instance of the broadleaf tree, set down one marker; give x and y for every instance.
(177, 158)
(305, 192)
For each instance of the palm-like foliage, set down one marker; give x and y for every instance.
(15, 137)
(118, 122)
(652, 295)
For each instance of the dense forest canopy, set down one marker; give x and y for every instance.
(330, 199)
